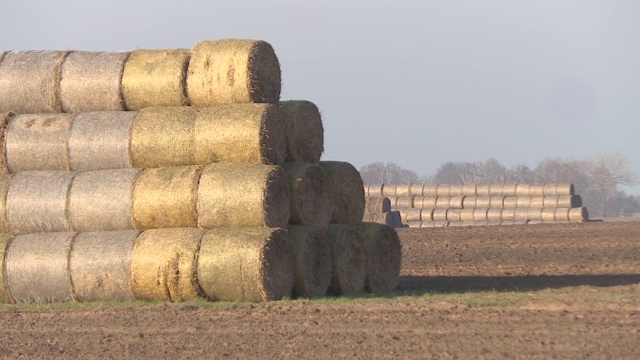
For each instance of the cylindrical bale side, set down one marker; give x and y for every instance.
(456, 190)
(534, 214)
(523, 201)
(469, 190)
(245, 195)
(404, 202)
(428, 224)
(233, 71)
(425, 202)
(480, 214)
(383, 255)
(456, 202)
(403, 190)
(4, 122)
(578, 214)
(439, 215)
(155, 78)
(564, 189)
(520, 222)
(30, 81)
(467, 214)
(430, 190)
(101, 140)
(496, 202)
(348, 196)
(377, 204)
(521, 214)
(348, 259)
(164, 264)
(303, 130)
(441, 224)
(483, 202)
(550, 201)
(494, 222)
(509, 189)
(414, 214)
(375, 190)
(495, 189)
(37, 267)
(37, 202)
(5, 294)
(537, 202)
(100, 265)
(454, 215)
(415, 224)
(166, 198)
(250, 264)
(482, 189)
(426, 214)
(536, 190)
(102, 200)
(416, 189)
(310, 194)
(510, 202)
(443, 190)
(467, 223)
(38, 142)
(5, 182)
(548, 214)
(523, 190)
(443, 202)
(494, 214)
(403, 215)
(508, 214)
(569, 201)
(549, 189)
(455, 224)
(389, 190)
(312, 261)
(561, 214)
(469, 202)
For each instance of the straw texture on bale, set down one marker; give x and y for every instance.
(100, 265)
(456, 190)
(37, 202)
(164, 264)
(37, 267)
(443, 202)
(537, 202)
(495, 189)
(548, 214)
(534, 214)
(508, 214)
(38, 142)
(565, 189)
(90, 81)
(389, 190)
(469, 202)
(561, 214)
(426, 214)
(469, 190)
(102, 200)
(521, 214)
(523, 201)
(550, 201)
(483, 202)
(536, 190)
(549, 189)
(383, 254)
(303, 130)
(30, 81)
(480, 214)
(244, 195)
(426, 202)
(100, 140)
(569, 201)
(430, 190)
(496, 202)
(578, 214)
(509, 189)
(443, 190)
(250, 264)
(312, 261)
(166, 198)
(453, 214)
(456, 202)
(233, 71)
(377, 204)
(374, 190)
(482, 190)
(155, 78)
(5, 182)
(413, 214)
(348, 259)
(348, 194)
(4, 119)
(416, 189)
(494, 214)
(414, 224)
(510, 202)
(439, 215)
(403, 190)
(467, 214)
(5, 295)
(403, 215)
(310, 194)
(404, 202)
(523, 189)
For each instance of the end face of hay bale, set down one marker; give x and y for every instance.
(414, 214)
(480, 214)
(376, 204)
(403, 202)
(5, 295)
(469, 202)
(303, 130)
(348, 259)
(310, 193)
(466, 214)
(348, 192)
(383, 253)
(155, 78)
(312, 261)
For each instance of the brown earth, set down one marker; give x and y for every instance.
(536, 291)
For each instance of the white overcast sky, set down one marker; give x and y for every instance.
(418, 83)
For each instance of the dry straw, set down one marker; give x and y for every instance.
(414, 224)
(443, 202)
(303, 130)
(508, 214)
(5, 294)
(453, 214)
(578, 214)
(244, 195)
(155, 78)
(521, 214)
(414, 214)
(536, 190)
(100, 265)
(523, 201)
(430, 190)
(38, 142)
(383, 253)
(30, 81)
(550, 201)
(482, 190)
(426, 202)
(537, 202)
(4, 119)
(534, 214)
(523, 190)
(496, 202)
(510, 202)
(377, 204)
(569, 201)
(37, 267)
(469, 190)
(389, 190)
(90, 81)
(426, 215)
(382, 218)
(494, 214)
(5, 182)
(348, 259)
(561, 214)
(310, 194)
(548, 214)
(509, 189)
(480, 214)
(469, 202)
(403, 190)
(456, 202)
(467, 214)
(456, 190)
(166, 197)
(164, 264)
(102, 200)
(483, 202)
(312, 261)
(404, 202)
(348, 193)
(233, 71)
(565, 189)
(37, 202)
(443, 190)
(375, 190)
(250, 264)
(549, 189)
(496, 189)
(416, 189)
(439, 215)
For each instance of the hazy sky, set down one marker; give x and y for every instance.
(418, 83)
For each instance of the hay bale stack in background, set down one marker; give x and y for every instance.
(456, 190)
(30, 81)
(404, 202)
(347, 259)
(374, 190)
(453, 215)
(4, 120)
(443, 190)
(389, 190)
(248, 264)
(510, 202)
(416, 189)
(569, 201)
(348, 192)
(469, 190)
(426, 202)
(303, 130)
(509, 189)
(469, 202)
(383, 254)
(439, 215)
(155, 78)
(482, 190)
(310, 194)
(578, 214)
(467, 214)
(312, 261)
(100, 265)
(5, 294)
(430, 190)
(413, 214)
(403, 190)
(377, 205)
(536, 202)
(536, 190)
(564, 189)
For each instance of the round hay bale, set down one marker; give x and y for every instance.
(403, 215)
(534, 214)
(467, 223)
(495, 189)
(250, 264)
(155, 78)
(469, 202)
(549, 201)
(403, 190)
(578, 214)
(312, 261)
(38, 142)
(37, 202)
(455, 224)
(510, 202)
(389, 190)
(537, 202)
(430, 190)
(456, 202)
(482, 190)
(383, 254)
(245, 195)
(348, 194)
(494, 214)
(90, 81)
(523, 189)
(428, 224)
(456, 190)
(439, 215)
(426, 214)
(240, 133)
(483, 202)
(404, 202)
(441, 224)
(416, 189)
(100, 140)
(569, 201)
(520, 222)
(310, 194)
(163, 265)
(467, 214)
(425, 202)
(100, 265)
(508, 214)
(443, 202)
(469, 190)
(549, 189)
(415, 224)
(348, 259)
(166, 198)
(233, 71)
(102, 200)
(30, 81)
(5, 294)
(443, 190)
(5, 181)
(561, 214)
(4, 119)
(565, 189)
(536, 190)
(480, 214)
(454, 215)
(509, 189)
(521, 214)
(494, 222)
(37, 267)
(496, 202)
(375, 190)
(414, 214)
(303, 130)
(377, 204)
(523, 201)
(548, 214)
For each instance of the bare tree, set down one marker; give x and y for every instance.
(607, 171)
(387, 173)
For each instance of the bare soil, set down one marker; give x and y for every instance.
(563, 291)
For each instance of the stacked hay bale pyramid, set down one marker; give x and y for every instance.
(174, 174)
(444, 205)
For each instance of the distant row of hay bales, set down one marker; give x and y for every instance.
(447, 190)
(484, 214)
(378, 210)
(493, 202)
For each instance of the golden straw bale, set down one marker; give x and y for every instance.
(456, 202)
(510, 202)
(38, 142)
(416, 189)
(534, 214)
(508, 214)
(548, 214)
(426, 214)
(523, 201)
(578, 214)
(537, 202)
(456, 190)
(494, 214)
(404, 202)
(443, 190)
(403, 190)
(375, 190)
(413, 214)
(523, 189)
(37, 267)
(439, 214)
(310, 194)
(155, 78)
(469, 202)
(383, 256)
(389, 190)
(5, 294)
(426, 202)
(441, 224)
(4, 119)
(5, 182)
(102, 200)
(569, 201)
(30, 81)
(303, 130)
(469, 190)
(495, 189)
(166, 197)
(453, 215)
(233, 71)
(101, 140)
(348, 259)
(483, 202)
(496, 202)
(455, 223)
(480, 214)
(536, 190)
(348, 193)
(312, 261)
(561, 214)
(443, 202)
(549, 189)
(37, 201)
(247, 264)
(521, 214)
(482, 190)
(549, 201)
(509, 189)
(467, 214)
(377, 204)
(565, 189)
(430, 190)
(415, 224)
(100, 265)
(403, 215)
